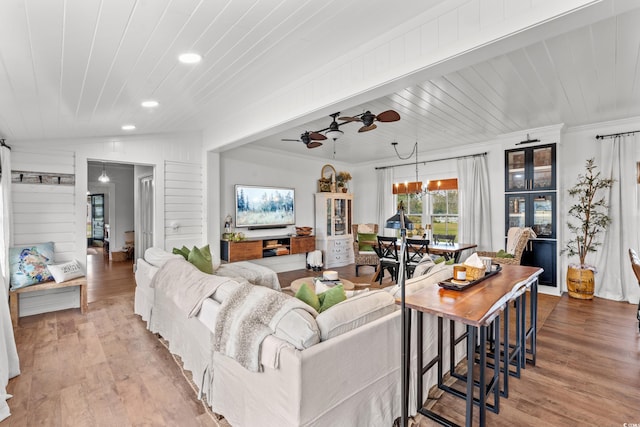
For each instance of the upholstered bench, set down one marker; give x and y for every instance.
(14, 297)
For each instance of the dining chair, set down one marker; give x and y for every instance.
(388, 252)
(363, 245)
(635, 265)
(416, 250)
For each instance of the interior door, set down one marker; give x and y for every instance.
(146, 215)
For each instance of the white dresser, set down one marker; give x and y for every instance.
(333, 228)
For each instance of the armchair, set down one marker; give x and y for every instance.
(364, 239)
(517, 238)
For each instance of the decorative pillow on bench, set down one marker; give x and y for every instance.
(67, 271)
(28, 264)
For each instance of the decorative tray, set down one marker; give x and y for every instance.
(456, 285)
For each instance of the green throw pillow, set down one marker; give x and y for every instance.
(201, 258)
(331, 297)
(365, 241)
(503, 254)
(184, 251)
(439, 260)
(450, 262)
(308, 296)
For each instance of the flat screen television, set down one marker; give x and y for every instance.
(264, 207)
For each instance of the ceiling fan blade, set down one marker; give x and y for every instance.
(314, 144)
(367, 128)
(349, 119)
(292, 140)
(388, 116)
(317, 136)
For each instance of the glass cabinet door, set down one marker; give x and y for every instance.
(340, 212)
(542, 174)
(329, 217)
(543, 214)
(516, 177)
(516, 211)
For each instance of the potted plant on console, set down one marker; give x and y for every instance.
(341, 180)
(590, 215)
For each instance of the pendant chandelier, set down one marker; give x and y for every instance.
(103, 177)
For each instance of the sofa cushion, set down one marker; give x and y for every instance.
(28, 264)
(157, 257)
(366, 240)
(424, 266)
(201, 258)
(66, 271)
(354, 312)
(308, 296)
(331, 297)
(298, 327)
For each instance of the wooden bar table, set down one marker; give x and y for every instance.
(477, 307)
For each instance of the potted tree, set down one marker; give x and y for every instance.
(588, 218)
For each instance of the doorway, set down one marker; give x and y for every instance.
(110, 260)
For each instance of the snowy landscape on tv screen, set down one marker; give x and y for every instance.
(264, 206)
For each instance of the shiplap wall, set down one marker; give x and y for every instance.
(184, 204)
(45, 213)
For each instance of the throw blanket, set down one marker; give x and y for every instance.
(185, 285)
(246, 318)
(255, 274)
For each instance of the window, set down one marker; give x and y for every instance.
(444, 212)
(413, 208)
(444, 207)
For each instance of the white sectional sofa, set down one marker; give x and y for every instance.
(337, 368)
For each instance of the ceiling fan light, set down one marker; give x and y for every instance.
(334, 134)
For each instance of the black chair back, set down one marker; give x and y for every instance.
(416, 250)
(387, 248)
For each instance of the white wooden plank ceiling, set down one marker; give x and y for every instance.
(81, 68)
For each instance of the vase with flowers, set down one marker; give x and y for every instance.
(342, 178)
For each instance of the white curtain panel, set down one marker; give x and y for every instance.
(386, 209)
(9, 362)
(614, 277)
(474, 198)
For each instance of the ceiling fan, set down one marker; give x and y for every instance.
(368, 118)
(310, 139)
(333, 131)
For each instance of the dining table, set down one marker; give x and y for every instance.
(450, 250)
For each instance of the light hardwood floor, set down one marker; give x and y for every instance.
(105, 368)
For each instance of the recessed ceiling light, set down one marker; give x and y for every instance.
(149, 104)
(190, 58)
(128, 127)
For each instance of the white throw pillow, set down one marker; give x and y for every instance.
(156, 256)
(354, 312)
(67, 271)
(438, 273)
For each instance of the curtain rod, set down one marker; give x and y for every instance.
(613, 135)
(424, 162)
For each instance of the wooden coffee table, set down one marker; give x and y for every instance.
(295, 285)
